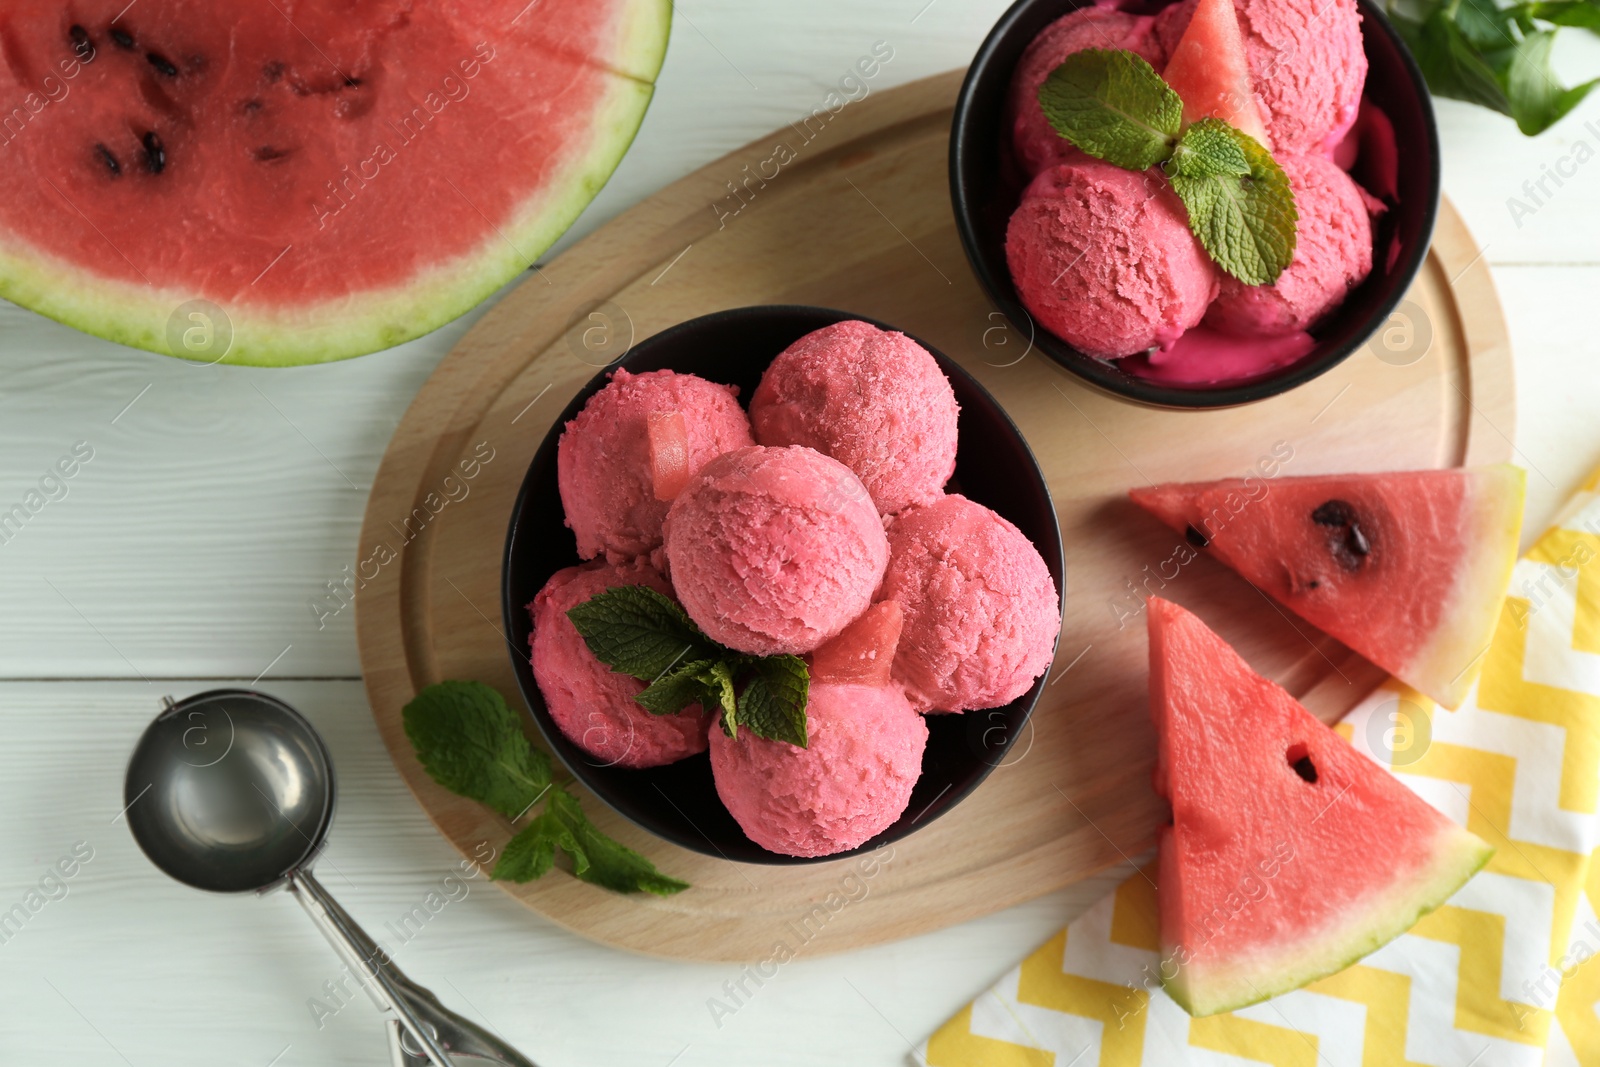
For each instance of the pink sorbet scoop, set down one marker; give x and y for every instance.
(775, 550)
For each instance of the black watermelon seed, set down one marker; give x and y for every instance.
(267, 153)
(251, 106)
(1193, 535)
(122, 37)
(162, 64)
(1306, 769)
(155, 153)
(109, 160)
(1313, 584)
(82, 46)
(273, 71)
(1334, 513)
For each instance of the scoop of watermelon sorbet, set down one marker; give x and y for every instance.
(1036, 143)
(851, 782)
(592, 705)
(981, 613)
(604, 461)
(1332, 255)
(775, 550)
(1307, 65)
(872, 399)
(1104, 259)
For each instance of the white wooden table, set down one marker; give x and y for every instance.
(188, 552)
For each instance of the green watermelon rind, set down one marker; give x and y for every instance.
(130, 314)
(1475, 604)
(1460, 855)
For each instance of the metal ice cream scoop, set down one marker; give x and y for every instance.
(232, 791)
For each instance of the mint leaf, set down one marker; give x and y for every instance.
(635, 630)
(1114, 106)
(1538, 100)
(1246, 219)
(471, 743)
(595, 857)
(719, 687)
(773, 704)
(531, 854)
(1209, 148)
(677, 689)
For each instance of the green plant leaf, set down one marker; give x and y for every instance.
(1485, 24)
(1246, 220)
(1584, 14)
(635, 630)
(471, 742)
(1114, 106)
(1453, 67)
(1538, 101)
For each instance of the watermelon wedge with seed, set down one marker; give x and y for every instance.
(1408, 569)
(1290, 854)
(313, 179)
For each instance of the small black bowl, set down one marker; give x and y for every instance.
(679, 801)
(986, 184)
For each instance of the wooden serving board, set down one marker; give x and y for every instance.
(859, 218)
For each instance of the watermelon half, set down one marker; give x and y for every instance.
(1408, 569)
(314, 179)
(1290, 854)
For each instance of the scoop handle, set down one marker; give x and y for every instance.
(422, 1031)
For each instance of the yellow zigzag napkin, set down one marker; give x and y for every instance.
(1497, 977)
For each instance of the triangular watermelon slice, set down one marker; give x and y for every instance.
(1210, 71)
(1290, 854)
(1408, 569)
(863, 653)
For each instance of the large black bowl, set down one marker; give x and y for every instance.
(679, 802)
(986, 184)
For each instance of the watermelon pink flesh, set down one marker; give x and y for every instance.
(669, 453)
(1408, 569)
(336, 175)
(1211, 73)
(863, 652)
(1290, 855)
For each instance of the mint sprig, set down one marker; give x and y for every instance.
(636, 630)
(1239, 201)
(471, 742)
(1114, 106)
